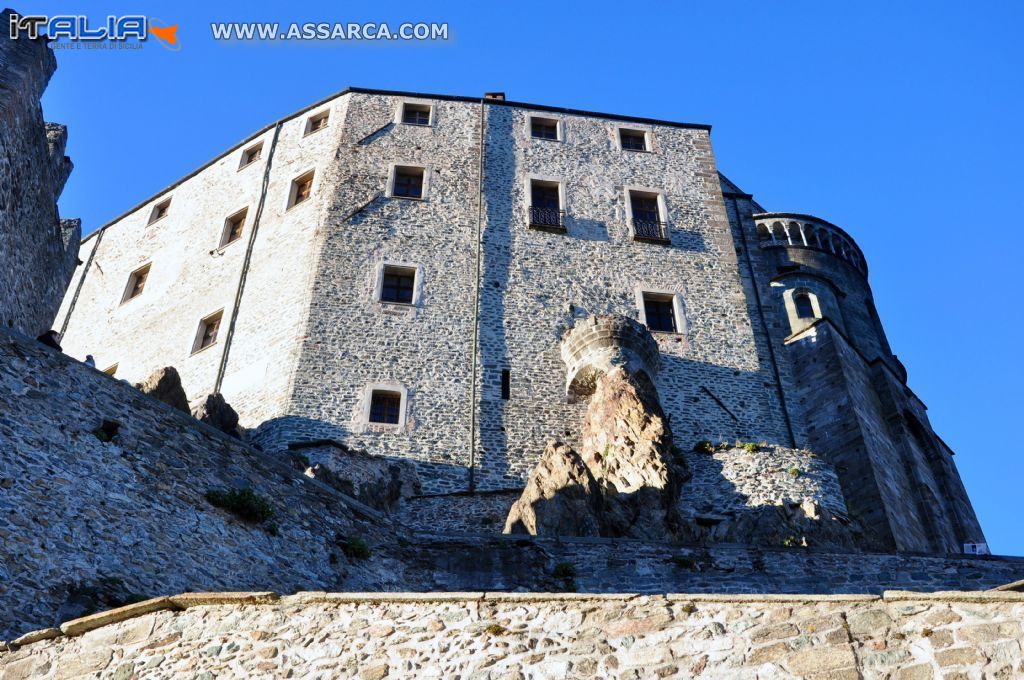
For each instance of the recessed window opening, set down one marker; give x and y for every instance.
(302, 188)
(408, 182)
(251, 155)
(660, 313)
(317, 122)
(160, 211)
(209, 327)
(398, 285)
(506, 384)
(385, 407)
(543, 128)
(632, 140)
(416, 114)
(545, 204)
(233, 227)
(136, 283)
(804, 306)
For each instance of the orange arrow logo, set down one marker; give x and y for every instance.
(166, 33)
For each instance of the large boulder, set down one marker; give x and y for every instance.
(624, 483)
(561, 498)
(214, 411)
(164, 384)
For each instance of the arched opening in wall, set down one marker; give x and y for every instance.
(804, 306)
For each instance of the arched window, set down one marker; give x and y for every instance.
(804, 307)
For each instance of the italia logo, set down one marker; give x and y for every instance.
(76, 27)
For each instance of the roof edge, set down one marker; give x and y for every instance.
(392, 93)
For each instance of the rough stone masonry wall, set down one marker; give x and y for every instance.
(901, 636)
(191, 277)
(75, 509)
(37, 248)
(536, 284)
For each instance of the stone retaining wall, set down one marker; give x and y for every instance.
(901, 635)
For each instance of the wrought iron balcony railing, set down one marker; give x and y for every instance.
(649, 230)
(547, 218)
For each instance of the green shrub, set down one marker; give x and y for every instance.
(495, 629)
(794, 472)
(245, 504)
(688, 608)
(750, 447)
(564, 570)
(704, 446)
(792, 542)
(355, 548)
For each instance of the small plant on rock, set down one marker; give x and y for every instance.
(704, 446)
(245, 504)
(495, 629)
(750, 447)
(688, 608)
(794, 472)
(355, 548)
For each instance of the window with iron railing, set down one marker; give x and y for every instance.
(545, 205)
(647, 222)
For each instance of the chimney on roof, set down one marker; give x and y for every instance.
(496, 96)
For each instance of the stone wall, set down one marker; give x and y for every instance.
(79, 512)
(37, 248)
(902, 636)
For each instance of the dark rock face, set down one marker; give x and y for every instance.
(378, 482)
(165, 385)
(213, 410)
(626, 481)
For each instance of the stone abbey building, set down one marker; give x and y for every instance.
(414, 275)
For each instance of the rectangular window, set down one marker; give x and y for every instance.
(408, 182)
(384, 407)
(160, 211)
(207, 333)
(251, 155)
(632, 140)
(647, 222)
(416, 114)
(545, 205)
(543, 128)
(659, 312)
(506, 384)
(233, 228)
(397, 285)
(317, 122)
(302, 187)
(136, 283)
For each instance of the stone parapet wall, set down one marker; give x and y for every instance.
(901, 635)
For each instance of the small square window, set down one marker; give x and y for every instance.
(408, 182)
(416, 114)
(233, 227)
(206, 336)
(251, 155)
(543, 128)
(317, 122)
(385, 407)
(160, 211)
(397, 285)
(302, 188)
(111, 370)
(136, 283)
(633, 140)
(660, 313)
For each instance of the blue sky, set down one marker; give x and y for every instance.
(899, 122)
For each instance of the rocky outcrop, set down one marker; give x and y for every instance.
(215, 411)
(164, 384)
(624, 483)
(379, 482)
(561, 498)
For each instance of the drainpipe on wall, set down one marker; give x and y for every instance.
(476, 301)
(81, 281)
(245, 263)
(764, 324)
